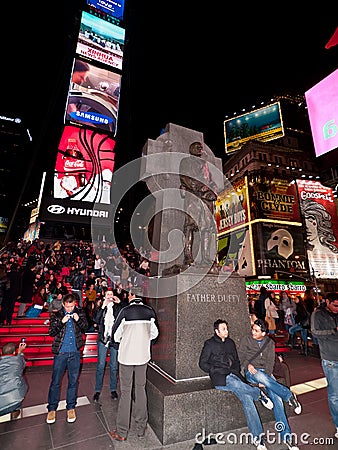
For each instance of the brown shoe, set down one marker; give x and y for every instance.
(51, 417)
(116, 436)
(71, 416)
(15, 414)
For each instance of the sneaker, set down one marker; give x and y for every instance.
(291, 445)
(15, 414)
(71, 416)
(336, 435)
(294, 403)
(116, 436)
(114, 395)
(265, 401)
(260, 445)
(51, 416)
(96, 397)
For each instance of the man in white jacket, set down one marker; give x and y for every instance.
(135, 329)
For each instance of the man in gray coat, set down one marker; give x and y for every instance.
(13, 386)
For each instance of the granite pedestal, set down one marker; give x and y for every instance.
(181, 399)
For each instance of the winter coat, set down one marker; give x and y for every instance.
(98, 318)
(135, 329)
(247, 348)
(57, 329)
(219, 358)
(13, 387)
(324, 327)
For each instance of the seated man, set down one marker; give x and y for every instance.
(220, 360)
(13, 387)
(257, 356)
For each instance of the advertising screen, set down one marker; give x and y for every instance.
(100, 41)
(84, 166)
(232, 206)
(279, 248)
(114, 8)
(274, 198)
(93, 97)
(322, 100)
(320, 216)
(263, 124)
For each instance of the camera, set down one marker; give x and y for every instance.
(23, 340)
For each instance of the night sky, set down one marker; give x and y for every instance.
(190, 66)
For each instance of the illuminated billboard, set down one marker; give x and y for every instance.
(322, 100)
(279, 248)
(84, 166)
(100, 41)
(273, 198)
(93, 97)
(320, 216)
(234, 252)
(263, 124)
(114, 8)
(231, 206)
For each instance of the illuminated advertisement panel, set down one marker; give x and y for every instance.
(319, 212)
(113, 8)
(100, 41)
(273, 198)
(84, 166)
(293, 287)
(263, 124)
(231, 206)
(279, 248)
(322, 100)
(234, 252)
(93, 97)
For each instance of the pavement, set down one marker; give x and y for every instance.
(314, 427)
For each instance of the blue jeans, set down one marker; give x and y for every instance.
(277, 392)
(298, 327)
(330, 369)
(63, 361)
(247, 395)
(101, 364)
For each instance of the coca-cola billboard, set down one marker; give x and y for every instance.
(84, 165)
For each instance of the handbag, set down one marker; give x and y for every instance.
(270, 321)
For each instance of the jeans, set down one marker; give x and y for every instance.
(101, 364)
(298, 327)
(63, 361)
(330, 369)
(247, 395)
(277, 392)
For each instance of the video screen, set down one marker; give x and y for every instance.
(84, 165)
(321, 101)
(93, 97)
(100, 41)
(111, 7)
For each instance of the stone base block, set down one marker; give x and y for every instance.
(181, 411)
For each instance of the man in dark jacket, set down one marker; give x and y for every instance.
(220, 360)
(66, 327)
(103, 318)
(257, 355)
(324, 326)
(13, 387)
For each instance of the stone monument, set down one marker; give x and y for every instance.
(188, 296)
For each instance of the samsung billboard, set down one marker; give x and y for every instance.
(263, 124)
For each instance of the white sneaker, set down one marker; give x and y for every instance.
(260, 445)
(291, 445)
(336, 435)
(294, 403)
(265, 401)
